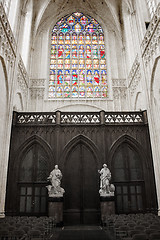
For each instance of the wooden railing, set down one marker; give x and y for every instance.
(79, 118)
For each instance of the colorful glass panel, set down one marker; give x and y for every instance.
(67, 38)
(88, 51)
(53, 51)
(88, 38)
(77, 58)
(54, 38)
(74, 51)
(77, 14)
(74, 91)
(74, 38)
(102, 52)
(65, 28)
(84, 20)
(60, 51)
(94, 22)
(91, 28)
(60, 22)
(81, 38)
(96, 77)
(101, 38)
(67, 51)
(71, 20)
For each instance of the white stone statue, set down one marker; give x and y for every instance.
(55, 189)
(106, 189)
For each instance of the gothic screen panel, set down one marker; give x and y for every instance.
(77, 61)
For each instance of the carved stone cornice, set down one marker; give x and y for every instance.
(40, 82)
(151, 38)
(119, 82)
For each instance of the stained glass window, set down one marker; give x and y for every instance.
(78, 59)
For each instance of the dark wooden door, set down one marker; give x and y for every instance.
(81, 205)
(128, 178)
(32, 183)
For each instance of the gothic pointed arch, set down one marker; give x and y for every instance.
(154, 85)
(80, 163)
(4, 69)
(30, 168)
(81, 139)
(131, 142)
(131, 174)
(78, 68)
(27, 145)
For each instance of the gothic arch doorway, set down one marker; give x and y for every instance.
(127, 173)
(81, 202)
(32, 190)
(30, 169)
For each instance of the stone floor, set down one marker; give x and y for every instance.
(82, 233)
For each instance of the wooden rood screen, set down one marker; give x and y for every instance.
(80, 142)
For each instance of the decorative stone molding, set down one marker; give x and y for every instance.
(37, 87)
(134, 76)
(5, 47)
(7, 41)
(135, 81)
(22, 78)
(37, 82)
(151, 29)
(23, 70)
(123, 92)
(134, 68)
(116, 93)
(119, 92)
(36, 93)
(119, 82)
(152, 37)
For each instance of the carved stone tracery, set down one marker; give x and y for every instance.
(152, 37)
(134, 76)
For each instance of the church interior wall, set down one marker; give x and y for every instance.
(132, 83)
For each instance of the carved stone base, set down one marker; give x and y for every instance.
(55, 209)
(107, 206)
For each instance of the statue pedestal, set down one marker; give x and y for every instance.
(55, 209)
(107, 204)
